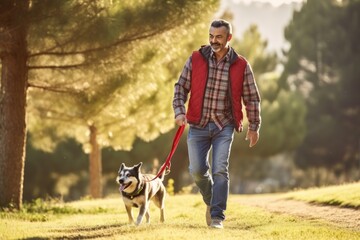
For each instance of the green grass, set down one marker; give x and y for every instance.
(342, 195)
(185, 219)
(42, 211)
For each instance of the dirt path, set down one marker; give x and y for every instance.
(343, 217)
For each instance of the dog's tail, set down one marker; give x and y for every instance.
(161, 174)
(166, 172)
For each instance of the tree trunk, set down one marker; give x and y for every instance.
(13, 87)
(95, 166)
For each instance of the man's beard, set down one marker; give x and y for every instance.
(216, 47)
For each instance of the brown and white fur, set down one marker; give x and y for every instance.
(137, 190)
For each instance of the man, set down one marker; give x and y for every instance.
(218, 80)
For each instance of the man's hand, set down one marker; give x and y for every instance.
(180, 120)
(253, 136)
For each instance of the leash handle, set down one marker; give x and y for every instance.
(175, 143)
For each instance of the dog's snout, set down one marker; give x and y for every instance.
(121, 180)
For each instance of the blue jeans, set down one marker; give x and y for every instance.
(214, 187)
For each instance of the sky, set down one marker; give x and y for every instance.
(270, 19)
(273, 2)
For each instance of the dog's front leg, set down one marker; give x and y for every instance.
(129, 212)
(162, 215)
(147, 215)
(142, 211)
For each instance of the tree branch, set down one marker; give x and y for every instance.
(54, 89)
(135, 37)
(58, 66)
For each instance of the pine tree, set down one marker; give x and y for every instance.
(282, 110)
(77, 57)
(323, 63)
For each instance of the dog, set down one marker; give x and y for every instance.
(137, 190)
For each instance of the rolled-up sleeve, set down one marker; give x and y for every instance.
(251, 98)
(181, 89)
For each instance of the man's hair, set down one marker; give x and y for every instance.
(222, 23)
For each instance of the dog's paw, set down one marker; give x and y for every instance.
(138, 222)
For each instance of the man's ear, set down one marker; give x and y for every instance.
(229, 37)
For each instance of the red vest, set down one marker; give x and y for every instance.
(199, 78)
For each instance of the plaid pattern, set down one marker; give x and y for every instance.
(217, 106)
(251, 99)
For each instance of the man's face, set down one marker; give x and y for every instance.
(218, 38)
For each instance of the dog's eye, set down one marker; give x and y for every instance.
(127, 175)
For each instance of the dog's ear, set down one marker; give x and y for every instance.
(122, 167)
(139, 165)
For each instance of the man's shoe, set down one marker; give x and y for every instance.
(216, 223)
(208, 216)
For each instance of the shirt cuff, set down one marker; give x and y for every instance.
(254, 126)
(179, 110)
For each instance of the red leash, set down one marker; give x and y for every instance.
(167, 163)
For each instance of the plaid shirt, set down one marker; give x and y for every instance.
(217, 105)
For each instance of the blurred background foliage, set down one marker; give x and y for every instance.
(310, 103)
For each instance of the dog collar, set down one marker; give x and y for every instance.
(135, 193)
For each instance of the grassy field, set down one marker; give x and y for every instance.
(185, 219)
(342, 195)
